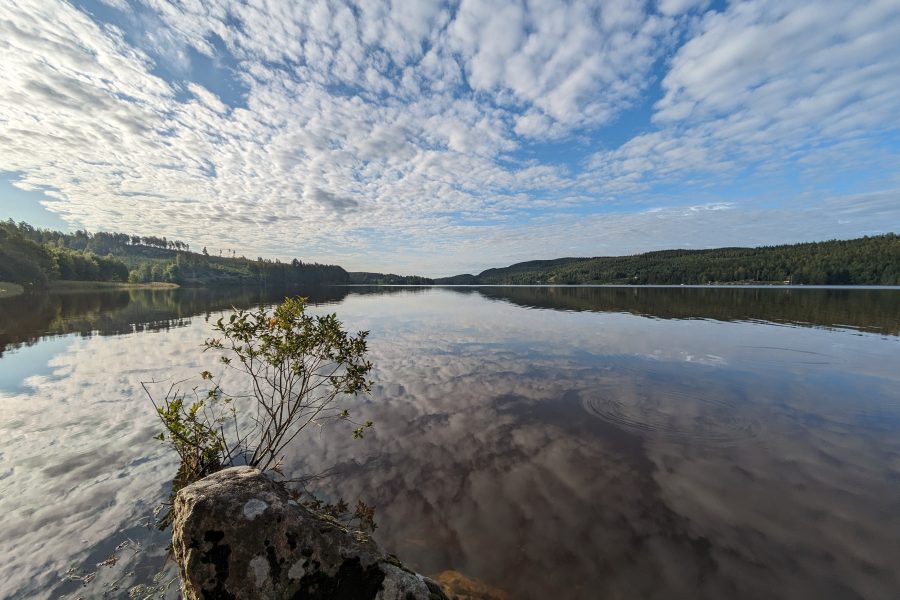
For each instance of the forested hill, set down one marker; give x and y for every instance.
(37, 257)
(865, 261)
(364, 278)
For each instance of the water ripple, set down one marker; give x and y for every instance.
(672, 412)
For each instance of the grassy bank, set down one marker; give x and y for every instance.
(8, 290)
(109, 285)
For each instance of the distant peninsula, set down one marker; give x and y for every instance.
(871, 260)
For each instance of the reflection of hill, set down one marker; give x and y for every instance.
(876, 310)
(25, 319)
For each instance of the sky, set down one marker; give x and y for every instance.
(437, 138)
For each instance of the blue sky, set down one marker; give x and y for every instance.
(438, 138)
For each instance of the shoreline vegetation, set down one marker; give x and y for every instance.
(39, 259)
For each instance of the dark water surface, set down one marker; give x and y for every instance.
(550, 442)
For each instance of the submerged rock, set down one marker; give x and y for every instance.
(459, 587)
(237, 534)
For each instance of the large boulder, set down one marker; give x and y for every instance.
(237, 534)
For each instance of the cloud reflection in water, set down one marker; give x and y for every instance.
(575, 454)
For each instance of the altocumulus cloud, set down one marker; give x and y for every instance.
(440, 137)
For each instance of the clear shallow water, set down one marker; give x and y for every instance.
(576, 442)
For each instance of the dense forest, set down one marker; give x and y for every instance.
(864, 261)
(26, 259)
(362, 278)
(37, 257)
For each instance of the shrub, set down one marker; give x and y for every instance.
(296, 368)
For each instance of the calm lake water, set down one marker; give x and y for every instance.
(550, 442)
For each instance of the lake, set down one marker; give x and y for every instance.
(549, 442)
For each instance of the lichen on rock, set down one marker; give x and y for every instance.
(237, 535)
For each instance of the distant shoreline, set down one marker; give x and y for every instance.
(796, 286)
(11, 290)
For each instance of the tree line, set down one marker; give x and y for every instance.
(36, 257)
(24, 260)
(871, 260)
(364, 278)
(190, 268)
(101, 242)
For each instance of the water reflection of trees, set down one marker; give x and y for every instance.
(875, 310)
(26, 319)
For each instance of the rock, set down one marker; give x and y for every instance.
(237, 534)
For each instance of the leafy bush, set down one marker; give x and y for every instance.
(295, 366)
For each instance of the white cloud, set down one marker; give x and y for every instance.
(770, 82)
(382, 120)
(125, 153)
(579, 63)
